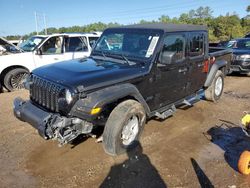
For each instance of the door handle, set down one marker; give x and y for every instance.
(55, 58)
(183, 70)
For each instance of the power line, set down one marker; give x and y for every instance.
(139, 13)
(142, 15)
(187, 4)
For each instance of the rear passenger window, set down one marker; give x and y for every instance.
(75, 44)
(196, 45)
(175, 44)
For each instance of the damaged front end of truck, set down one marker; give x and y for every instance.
(44, 112)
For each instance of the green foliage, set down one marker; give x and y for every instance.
(248, 8)
(227, 27)
(13, 37)
(219, 28)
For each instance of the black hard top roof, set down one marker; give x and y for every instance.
(167, 27)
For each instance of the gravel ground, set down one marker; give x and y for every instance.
(197, 147)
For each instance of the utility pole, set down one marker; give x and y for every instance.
(40, 18)
(45, 25)
(36, 23)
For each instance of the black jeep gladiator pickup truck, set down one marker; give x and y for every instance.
(134, 73)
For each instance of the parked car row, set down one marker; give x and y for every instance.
(241, 54)
(42, 50)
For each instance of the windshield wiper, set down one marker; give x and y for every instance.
(103, 54)
(113, 57)
(100, 54)
(126, 59)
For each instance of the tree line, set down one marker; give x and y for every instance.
(220, 28)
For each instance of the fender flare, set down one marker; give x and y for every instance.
(107, 96)
(215, 67)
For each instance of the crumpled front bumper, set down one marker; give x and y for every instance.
(51, 125)
(26, 111)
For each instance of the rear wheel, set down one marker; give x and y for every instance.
(14, 79)
(124, 127)
(214, 91)
(244, 163)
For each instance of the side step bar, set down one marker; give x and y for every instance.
(189, 101)
(169, 112)
(193, 99)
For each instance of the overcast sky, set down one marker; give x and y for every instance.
(17, 16)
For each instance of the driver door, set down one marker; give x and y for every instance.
(51, 51)
(172, 77)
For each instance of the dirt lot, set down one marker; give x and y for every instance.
(197, 147)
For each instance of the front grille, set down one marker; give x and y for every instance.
(45, 93)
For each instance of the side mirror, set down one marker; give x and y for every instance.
(38, 52)
(166, 57)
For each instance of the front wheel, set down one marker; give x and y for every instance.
(214, 91)
(124, 127)
(14, 79)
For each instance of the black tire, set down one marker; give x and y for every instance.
(1, 88)
(120, 116)
(13, 80)
(210, 92)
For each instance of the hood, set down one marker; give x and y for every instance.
(240, 51)
(89, 73)
(7, 47)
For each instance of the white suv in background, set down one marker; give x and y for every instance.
(51, 49)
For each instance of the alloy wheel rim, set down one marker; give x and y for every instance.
(130, 130)
(218, 86)
(17, 81)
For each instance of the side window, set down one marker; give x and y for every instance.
(92, 41)
(52, 46)
(196, 45)
(76, 44)
(175, 44)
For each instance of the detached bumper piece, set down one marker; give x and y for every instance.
(51, 125)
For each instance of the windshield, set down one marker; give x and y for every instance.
(239, 44)
(243, 44)
(135, 43)
(30, 44)
(230, 44)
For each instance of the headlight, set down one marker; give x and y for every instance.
(68, 96)
(245, 57)
(27, 82)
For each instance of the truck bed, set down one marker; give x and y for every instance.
(221, 54)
